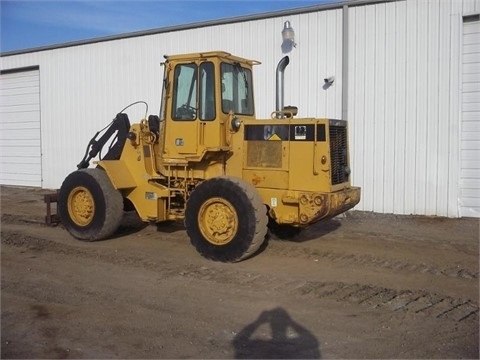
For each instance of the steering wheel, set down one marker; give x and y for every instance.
(186, 112)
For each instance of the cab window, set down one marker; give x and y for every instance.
(187, 91)
(207, 91)
(237, 89)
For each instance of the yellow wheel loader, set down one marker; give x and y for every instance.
(208, 161)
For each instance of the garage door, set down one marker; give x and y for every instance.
(20, 147)
(470, 127)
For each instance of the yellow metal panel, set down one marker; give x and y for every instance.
(267, 154)
(267, 178)
(149, 202)
(119, 174)
(183, 138)
(306, 170)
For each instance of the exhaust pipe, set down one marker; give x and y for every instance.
(282, 64)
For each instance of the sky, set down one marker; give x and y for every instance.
(34, 23)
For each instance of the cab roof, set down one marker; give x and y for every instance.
(209, 55)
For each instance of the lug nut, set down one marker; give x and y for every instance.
(303, 218)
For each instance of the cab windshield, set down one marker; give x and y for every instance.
(237, 89)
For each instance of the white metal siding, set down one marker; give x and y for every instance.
(470, 129)
(404, 105)
(20, 146)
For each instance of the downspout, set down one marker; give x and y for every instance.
(345, 63)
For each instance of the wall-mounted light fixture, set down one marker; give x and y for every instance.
(287, 33)
(329, 80)
(288, 37)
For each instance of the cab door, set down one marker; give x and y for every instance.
(183, 129)
(210, 128)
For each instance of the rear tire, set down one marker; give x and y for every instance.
(89, 206)
(226, 219)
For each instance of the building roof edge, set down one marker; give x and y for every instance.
(173, 28)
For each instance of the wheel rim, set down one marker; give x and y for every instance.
(81, 206)
(218, 221)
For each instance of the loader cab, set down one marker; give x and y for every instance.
(201, 92)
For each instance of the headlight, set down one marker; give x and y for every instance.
(235, 124)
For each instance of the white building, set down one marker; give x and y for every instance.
(407, 77)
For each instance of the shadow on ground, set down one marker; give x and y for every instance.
(275, 335)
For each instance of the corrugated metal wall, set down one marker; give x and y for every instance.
(403, 91)
(404, 81)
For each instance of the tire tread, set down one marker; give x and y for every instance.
(112, 198)
(216, 186)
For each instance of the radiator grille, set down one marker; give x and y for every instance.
(338, 154)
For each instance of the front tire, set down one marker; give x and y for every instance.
(226, 219)
(89, 206)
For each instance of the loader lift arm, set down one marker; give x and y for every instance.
(118, 127)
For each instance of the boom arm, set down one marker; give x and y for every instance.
(120, 125)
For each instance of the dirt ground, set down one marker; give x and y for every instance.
(359, 286)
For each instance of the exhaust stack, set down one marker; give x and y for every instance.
(282, 64)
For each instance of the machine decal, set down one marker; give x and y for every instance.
(266, 132)
(150, 195)
(274, 137)
(302, 132)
